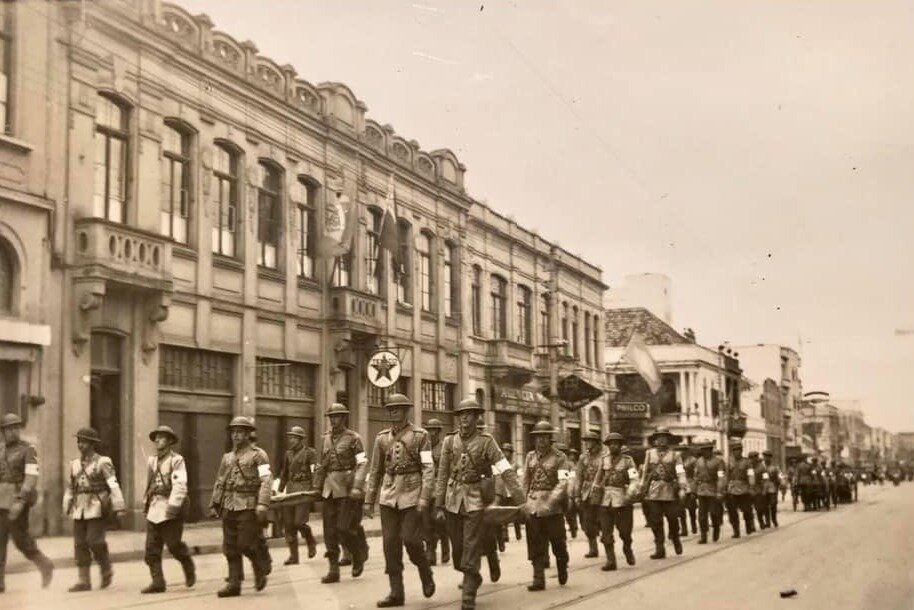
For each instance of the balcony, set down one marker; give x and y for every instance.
(119, 253)
(357, 311)
(511, 363)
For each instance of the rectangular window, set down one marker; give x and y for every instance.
(476, 301)
(378, 396)
(523, 315)
(304, 196)
(404, 277)
(175, 183)
(567, 348)
(575, 323)
(194, 370)
(268, 216)
(586, 337)
(498, 290)
(111, 139)
(545, 324)
(373, 253)
(6, 66)
(225, 201)
(285, 380)
(425, 271)
(341, 271)
(596, 342)
(447, 280)
(437, 396)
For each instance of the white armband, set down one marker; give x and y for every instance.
(633, 473)
(312, 468)
(179, 476)
(263, 470)
(31, 470)
(680, 469)
(720, 474)
(765, 476)
(564, 475)
(501, 466)
(112, 482)
(750, 472)
(426, 457)
(361, 458)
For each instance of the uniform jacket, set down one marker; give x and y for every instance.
(755, 477)
(771, 478)
(710, 477)
(689, 464)
(501, 490)
(738, 476)
(343, 465)
(244, 480)
(91, 483)
(586, 472)
(663, 475)
(619, 479)
(18, 474)
(297, 470)
(804, 473)
(403, 467)
(166, 487)
(464, 463)
(546, 482)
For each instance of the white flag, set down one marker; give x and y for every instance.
(639, 356)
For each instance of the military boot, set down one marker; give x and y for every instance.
(84, 582)
(104, 562)
(660, 551)
(358, 561)
(431, 556)
(592, 549)
(677, 545)
(232, 587)
(715, 533)
(346, 558)
(561, 568)
(469, 587)
(703, 537)
(190, 571)
(158, 579)
(629, 554)
(428, 581)
(735, 529)
(694, 523)
(610, 565)
(46, 567)
(293, 554)
(494, 567)
(261, 570)
(333, 574)
(445, 550)
(308, 535)
(750, 527)
(396, 597)
(539, 579)
(2, 579)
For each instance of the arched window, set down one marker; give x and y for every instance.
(305, 199)
(225, 200)
(476, 300)
(111, 144)
(523, 315)
(269, 214)
(404, 259)
(176, 184)
(449, 279)
(499, 289)
(587, 359)
(426, 281)
(7, 277)
(373, 267)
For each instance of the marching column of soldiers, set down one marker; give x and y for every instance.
(459, 490)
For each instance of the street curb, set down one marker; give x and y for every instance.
(21, 567)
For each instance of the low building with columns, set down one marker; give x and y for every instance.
(165, 242)
(694, 381)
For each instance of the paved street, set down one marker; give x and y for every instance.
(856, 557)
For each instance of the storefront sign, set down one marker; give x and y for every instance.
(383, 369)
(522, 401)
(630, 410)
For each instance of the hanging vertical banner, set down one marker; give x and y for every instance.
(339, 221)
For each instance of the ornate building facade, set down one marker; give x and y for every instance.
(165, 257)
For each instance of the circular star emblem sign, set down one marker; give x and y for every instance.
(383, 369)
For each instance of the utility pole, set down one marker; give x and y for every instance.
(553, 342)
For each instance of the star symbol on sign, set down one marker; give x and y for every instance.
(382, 366)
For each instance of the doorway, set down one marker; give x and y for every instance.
(105, 394)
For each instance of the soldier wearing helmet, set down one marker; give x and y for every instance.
(617, 482)
(296, 475)
(570, 507)
(464, 487)
(339, 476)
(241, 497)
(586, 494)
(662, 480)
(165, 502)
(435, 531)
(710, 484)
(18, 482)
(771, 483)
(546, 483)
(740, 475)
(92, 496)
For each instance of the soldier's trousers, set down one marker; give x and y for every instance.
(18, 530)
(342, 517)
(740, 504)
(295, 520)
(543, 532)
(657, 510)
(709, 506)
(760, 504)
(89, 541)
(399, 528)
(435, 532)
(689, 506)
(590, 519)
(619, 517)
(241, 533)
(167, 533)
(773, 508)
(508, 501)
(571, 516)
(467, 533)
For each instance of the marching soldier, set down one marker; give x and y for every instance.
(340, 477)
(435, 531)
(90, 498)
(504, 498)
(241, 498)
(709, 486)
(166, 496)
(490, 532)
(689, 502)
(546, 475)
(757, 491)
(617, 478)
(739, 480)
(663, 477)
(18, 482)
(805, 484)
(587, 495)
(402, 455)
(771, 482)
(463, 488)
(297, 475)
(570, 509)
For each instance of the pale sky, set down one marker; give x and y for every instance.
(761, 154)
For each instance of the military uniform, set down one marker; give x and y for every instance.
(400, 478)
(340, 477)
(687, 496)
(243, 483)
(771, 482)
(296, 475)
(466, 464)
(587, 495)
(504, 498)
(18, 482)
(436, 531)
(572, 512)
(617, 478)
(546, 483)
(90, 498)
(165, 501)
(710, 483)
(661, 482)
(806, 486)
(739, 498)
(757, 490)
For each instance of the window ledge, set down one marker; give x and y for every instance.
(307, 282)
(183, 251)
(7, 141)
(431, 316)
(271, 274)
(227, 262)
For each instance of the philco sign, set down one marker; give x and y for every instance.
(631, 410)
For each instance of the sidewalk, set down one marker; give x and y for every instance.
(202, 538)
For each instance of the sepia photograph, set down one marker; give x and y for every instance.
(452, 304)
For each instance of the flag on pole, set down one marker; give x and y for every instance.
(389, 238)
(639, 356)
(339, 222)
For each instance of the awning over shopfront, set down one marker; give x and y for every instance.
(574, 392)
